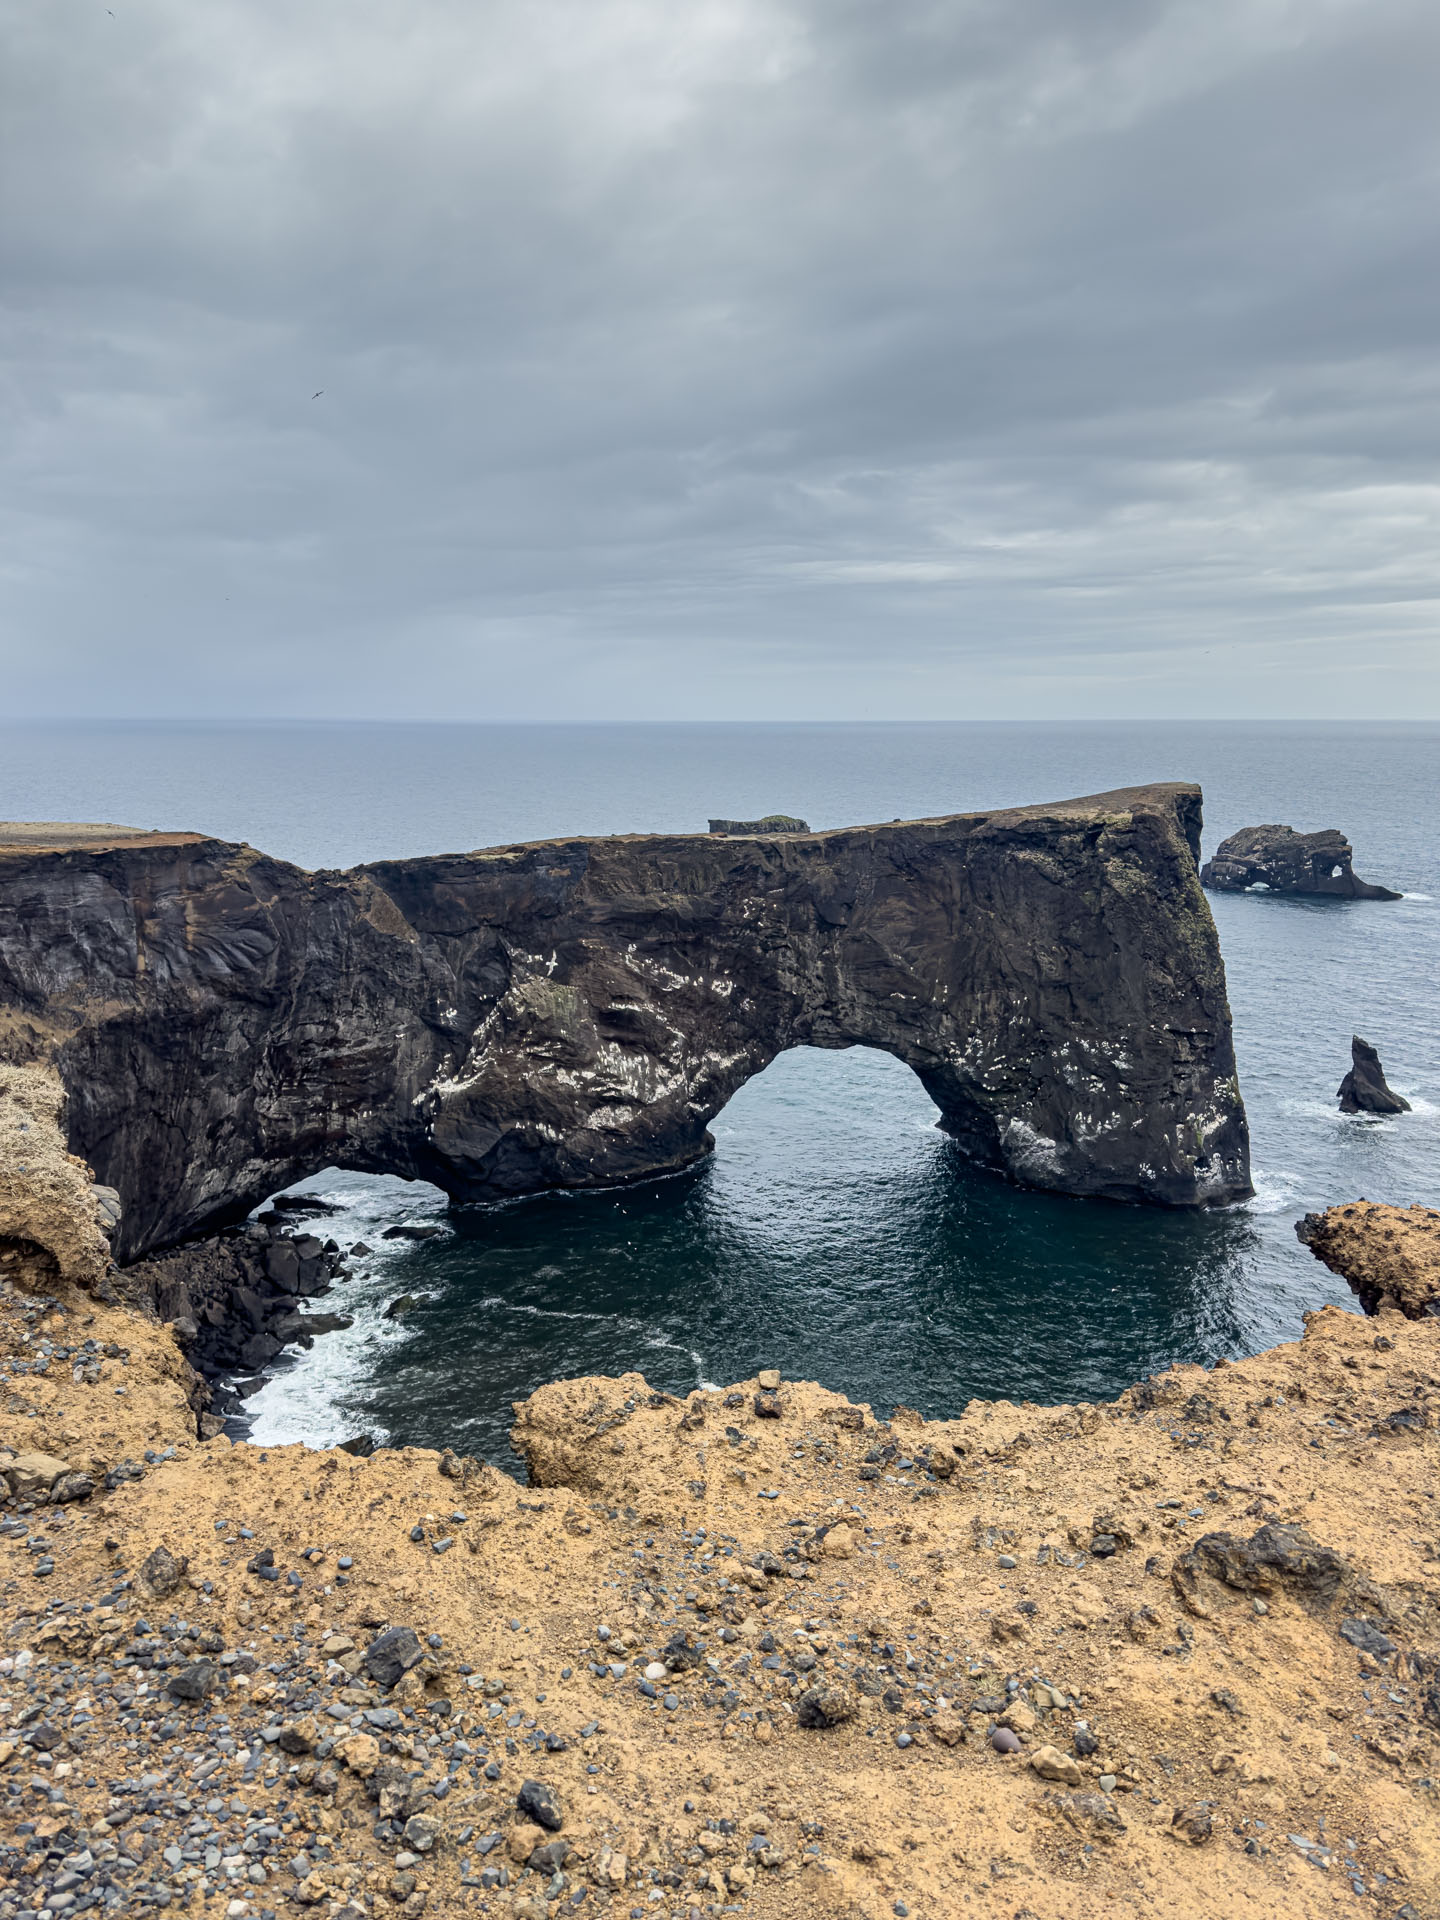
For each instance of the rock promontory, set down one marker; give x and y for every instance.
(1278, 860)
(573, 1013)
(1389, 1255)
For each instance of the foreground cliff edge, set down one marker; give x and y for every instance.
(574, 1012)
(756, 1651)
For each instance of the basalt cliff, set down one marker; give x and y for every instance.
(573, 1013)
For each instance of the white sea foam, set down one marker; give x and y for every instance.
(497, 1303)
(1275, 1191)
(307, 1398)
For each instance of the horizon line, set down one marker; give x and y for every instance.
(1348, 722)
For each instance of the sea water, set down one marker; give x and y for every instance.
(834, 1233)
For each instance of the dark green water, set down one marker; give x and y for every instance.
(834, 1234)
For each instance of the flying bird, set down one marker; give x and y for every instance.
(316, 396)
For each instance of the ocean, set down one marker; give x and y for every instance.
(834, 1233)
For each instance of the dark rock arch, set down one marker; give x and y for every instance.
(572, 1013)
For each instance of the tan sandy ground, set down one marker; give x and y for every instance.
(45, 836)
(1266, 1717)
(1389, 1255)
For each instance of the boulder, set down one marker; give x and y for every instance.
(161, 1572)
(1194, 1824)
(1277, 1556)
(194, 1682)
(538, 1802)
(30, 1476)
(108, 1209)
(391, 1655)
(1094, 1816)
(1051, 1764)
(824, 1706)
(1363, 1090)
(70, 1487)
(1278, 860)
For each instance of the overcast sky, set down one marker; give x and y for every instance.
(720, 358)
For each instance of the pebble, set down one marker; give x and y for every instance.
(1051, 1764)
(539, 1803)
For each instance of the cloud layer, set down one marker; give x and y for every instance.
(717, 358)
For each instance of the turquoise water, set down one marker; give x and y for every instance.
(834, 1233)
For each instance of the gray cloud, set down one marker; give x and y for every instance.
(801, 357)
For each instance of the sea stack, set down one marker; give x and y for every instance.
(770, 823)
(1363, 1090)
(1279, 860)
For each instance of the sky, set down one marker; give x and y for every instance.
(720, 359)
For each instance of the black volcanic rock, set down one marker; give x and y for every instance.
(1279, 860)
(1363, 1090)
(573, 1013)
(772, 823)
(231, 1314)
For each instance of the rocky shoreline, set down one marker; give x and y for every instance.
(235, 1300)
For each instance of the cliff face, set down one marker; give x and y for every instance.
(573, 1013)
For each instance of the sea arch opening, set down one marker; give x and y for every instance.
(836, 1233)
(817, 1107)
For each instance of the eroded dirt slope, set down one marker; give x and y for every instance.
(758, 1651)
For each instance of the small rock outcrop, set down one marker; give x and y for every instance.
(234, 1299)
(55, 1224)
(574, 1013)
(1363, 1090)
(1389, 1255)
(772, 823)
(1278, 860)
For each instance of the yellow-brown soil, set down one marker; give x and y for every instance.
(47, 1210)
(1223, 1719)
(1390, 1255)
